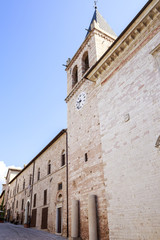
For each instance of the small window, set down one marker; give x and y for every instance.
(38, 176)
(23, 184)
(34, 200)
(17, 204)
(22, 206)
(74, 76)
(63, 158)
(49, 167)
(45, 197)
(30, 179)
(59, 186)
(86, 157)
(85, 62)
(18, 188)
(12, 205)
(156, 54)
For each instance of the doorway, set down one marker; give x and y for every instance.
(59, 220)
(44, 221)
(27, 213)
(34, 216)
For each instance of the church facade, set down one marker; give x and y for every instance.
(99, 179)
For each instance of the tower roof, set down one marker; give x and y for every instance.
(102, 23)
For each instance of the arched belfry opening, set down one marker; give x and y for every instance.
(85, 62)
(74, 76)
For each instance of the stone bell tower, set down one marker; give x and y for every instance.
(85, 165)
(97, 40)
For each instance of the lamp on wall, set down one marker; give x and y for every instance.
(157, 145)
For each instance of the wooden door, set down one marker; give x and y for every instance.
(33, 219)
(44, 221)
(59, 220)
(22, 218)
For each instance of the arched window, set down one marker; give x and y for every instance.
(74, 76)
(49, 166)
(38, 175)
(63, 158)
(85, 62)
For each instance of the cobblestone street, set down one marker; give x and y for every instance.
(18, 232)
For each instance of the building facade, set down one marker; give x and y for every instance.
(36, 196)
(100, 178)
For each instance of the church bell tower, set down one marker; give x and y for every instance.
(85, 165)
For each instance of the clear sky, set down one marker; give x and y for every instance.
(37, 37)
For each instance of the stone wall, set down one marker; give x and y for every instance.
(86, 177)
(129, 110)
(15, 192)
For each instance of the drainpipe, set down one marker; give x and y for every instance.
(67, 181)
(32, 186)
(14, 197)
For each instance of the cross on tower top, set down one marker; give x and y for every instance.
(95, 4)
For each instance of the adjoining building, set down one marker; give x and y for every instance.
(99, 179)
(36, 196)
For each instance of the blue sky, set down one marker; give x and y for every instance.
(37, 37)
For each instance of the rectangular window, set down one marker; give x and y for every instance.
(49, 167)
(59, 186)
(34, 200)
(17, 204)
(38, 177)
(30, 179)
(45, 197)
(12, 205)
(86, 157)
(22, 204)
(63, 160)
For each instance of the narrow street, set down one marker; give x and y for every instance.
(10, 231)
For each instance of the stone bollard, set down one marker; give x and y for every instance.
(92, 217)
(75, 220)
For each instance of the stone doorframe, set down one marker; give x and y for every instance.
(27, 210)
(59, 208)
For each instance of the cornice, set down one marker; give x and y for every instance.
(41, 152)
(128, 36)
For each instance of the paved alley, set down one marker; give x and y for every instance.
(18, 232)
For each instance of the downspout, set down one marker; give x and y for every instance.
(32, 186)
(67, 182)
(15, 190)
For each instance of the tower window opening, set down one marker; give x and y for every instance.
(75, 76)
(85, 62)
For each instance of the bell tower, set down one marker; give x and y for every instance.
(85, 165)
(97, 40)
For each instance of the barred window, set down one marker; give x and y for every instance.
(60, 186)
